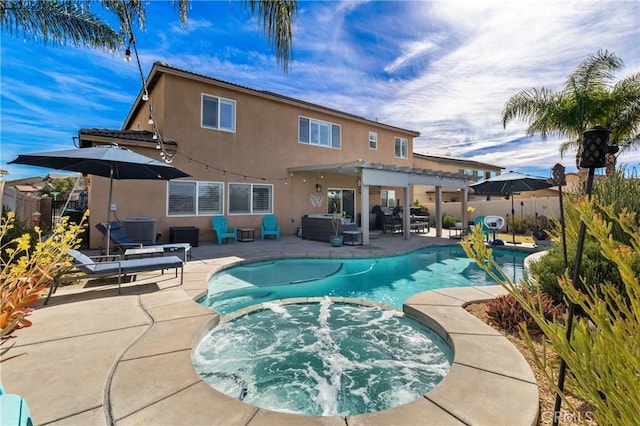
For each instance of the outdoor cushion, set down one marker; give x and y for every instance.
(124, 242)
(92, 269)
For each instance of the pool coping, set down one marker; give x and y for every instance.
(154, 380)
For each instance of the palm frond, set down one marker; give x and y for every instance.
(277, 17)
(60, 22)
(596, 71)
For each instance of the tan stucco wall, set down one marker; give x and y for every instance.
(264, 145)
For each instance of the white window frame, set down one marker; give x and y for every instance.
(196, 201)
(251, 194)
(401, 145)
(373, 140)
(220, 101)
(388, 198)
(314, 138)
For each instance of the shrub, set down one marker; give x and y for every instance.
(28, 270)
(449, 221)
(518, 223)
(9, 237)
(603, 354)
(507, 313)
(619, 194)
(596, 267)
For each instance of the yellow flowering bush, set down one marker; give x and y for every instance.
(28, 267)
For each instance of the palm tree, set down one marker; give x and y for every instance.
(71, 21)
(586, 100)
(60, 22)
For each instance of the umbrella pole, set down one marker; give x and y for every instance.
(109, 208)
(513, 218)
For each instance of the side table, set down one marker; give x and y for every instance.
(352, 238)
(246, 234)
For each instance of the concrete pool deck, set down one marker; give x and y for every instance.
(94, 357)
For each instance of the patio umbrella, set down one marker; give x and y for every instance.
(509, 184)
(112, 161)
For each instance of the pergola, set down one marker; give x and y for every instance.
(379, 174)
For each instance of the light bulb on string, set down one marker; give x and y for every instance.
(150, 119)
(158, 146)
(145, 96)
(127, 55)
(155, 137)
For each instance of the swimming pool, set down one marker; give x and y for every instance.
(388, 280)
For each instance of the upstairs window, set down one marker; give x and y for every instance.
(401, 147)
(218, 113)
(316, 132)
(373, 140)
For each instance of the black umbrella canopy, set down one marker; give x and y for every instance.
(101, 161)
(112, 161)
(508, 184)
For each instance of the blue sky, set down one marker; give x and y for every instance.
(443, 68)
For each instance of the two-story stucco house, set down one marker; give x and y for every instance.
(252, 153)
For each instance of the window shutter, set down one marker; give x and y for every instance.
(262, 199)
(209, 111)
(335, 136)
(182, 198)
(209, 198)
(227, 115)
(303, 130)
(239, 201)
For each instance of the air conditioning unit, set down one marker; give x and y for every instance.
(141, 229)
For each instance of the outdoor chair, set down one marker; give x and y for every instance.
(392, 223)
(219, 224)
(124, 242)
(14, 409)
(270, 227)
(84, 267)
(485, 228)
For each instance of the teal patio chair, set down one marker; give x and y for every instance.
(219, 224)
(14, 409)
(270, 227)
(485, 229)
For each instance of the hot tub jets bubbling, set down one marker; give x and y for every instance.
(323, 358)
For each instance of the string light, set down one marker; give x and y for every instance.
(164, 153)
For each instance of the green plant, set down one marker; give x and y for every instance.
(336, 220)
(603, 354)
(506, 312)
(29, 268)
(518, 223)
(9, 238)
(619, 193)
(449, 221)
(416, 203)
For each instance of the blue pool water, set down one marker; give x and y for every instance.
(332, 358)
(389, 280)
(323, 358)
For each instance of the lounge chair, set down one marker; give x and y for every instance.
(219, 224)
(122, 240)
(87, 267)
(270, 227)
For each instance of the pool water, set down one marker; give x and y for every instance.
(323, 358)
(388, 280)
